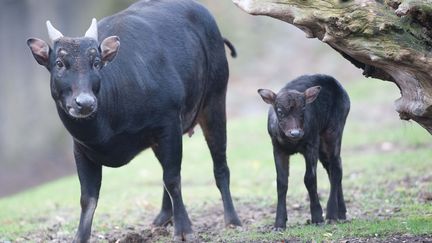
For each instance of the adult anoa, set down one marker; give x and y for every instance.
(308, 116)
(169, 74)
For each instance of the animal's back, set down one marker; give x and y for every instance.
(327, 83)
(331, 89)
(165, 33)
(167, 47)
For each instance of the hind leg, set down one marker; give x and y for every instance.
(331, 160)
(213, 123)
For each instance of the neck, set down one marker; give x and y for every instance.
(81, 129)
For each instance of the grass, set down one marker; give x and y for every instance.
(386, 170)
(357, 228)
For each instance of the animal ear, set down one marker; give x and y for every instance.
(312, 93)
(40, 50)
(267, 95)
(109, 48)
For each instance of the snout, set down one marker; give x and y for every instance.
(83, 106)
(294, 134)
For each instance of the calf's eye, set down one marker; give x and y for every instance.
(59, 64)
(97, 64)
(279, 112)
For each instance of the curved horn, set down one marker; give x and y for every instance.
(53, 33)
(92, 32)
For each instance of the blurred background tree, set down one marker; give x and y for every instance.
(34, 146)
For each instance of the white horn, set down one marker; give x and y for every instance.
(53, 33)
(92, 32)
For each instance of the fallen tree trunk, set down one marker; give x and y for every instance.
(389, 39)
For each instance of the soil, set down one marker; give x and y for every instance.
(257, 214)
(209, 227)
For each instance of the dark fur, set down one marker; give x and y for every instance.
(323, 124)
(170, 74)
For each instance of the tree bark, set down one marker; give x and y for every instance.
(389, 39)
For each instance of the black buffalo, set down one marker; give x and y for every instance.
(308, 116)
(169, 74)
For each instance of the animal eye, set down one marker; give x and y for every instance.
(59, 64)
(97, 64)
(279, 112)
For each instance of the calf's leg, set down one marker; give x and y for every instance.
(310, 180)
(169, 153)
(90, 177)
(213, 122)
(332, 211)
(336, 208)
(282, 173)
(330, 157)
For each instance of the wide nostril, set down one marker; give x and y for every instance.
(295, 133)
(78, 102)
(85, 101)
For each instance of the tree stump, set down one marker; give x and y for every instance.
(389, 39)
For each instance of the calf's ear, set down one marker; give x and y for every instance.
(109, 48)
(40, 50)
(312, 93)
(267, 95)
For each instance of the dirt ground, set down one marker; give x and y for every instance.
(255, 214)
(208, 227)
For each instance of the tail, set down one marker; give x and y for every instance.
(231, 47)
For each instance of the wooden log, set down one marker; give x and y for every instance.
(389, 39)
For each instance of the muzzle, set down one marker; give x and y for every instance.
(294, 134)
(82, 106)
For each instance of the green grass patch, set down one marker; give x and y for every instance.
(352, 229)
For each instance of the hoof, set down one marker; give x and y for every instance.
(318, 220)
(163, 220)
(233, 226)
(185, 238)
(318, 223)
(279, 229)
(342, 221)
(331, 221)
(232, 222)
(159, 230)
(342, 217)
(280, 225)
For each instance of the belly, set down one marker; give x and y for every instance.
(117, 151)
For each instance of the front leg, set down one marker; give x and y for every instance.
(90, 177)
(169, 153)
(165, 215)
(310, 180)
(282, 171)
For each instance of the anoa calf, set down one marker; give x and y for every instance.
(169, 74)
(308, 116)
